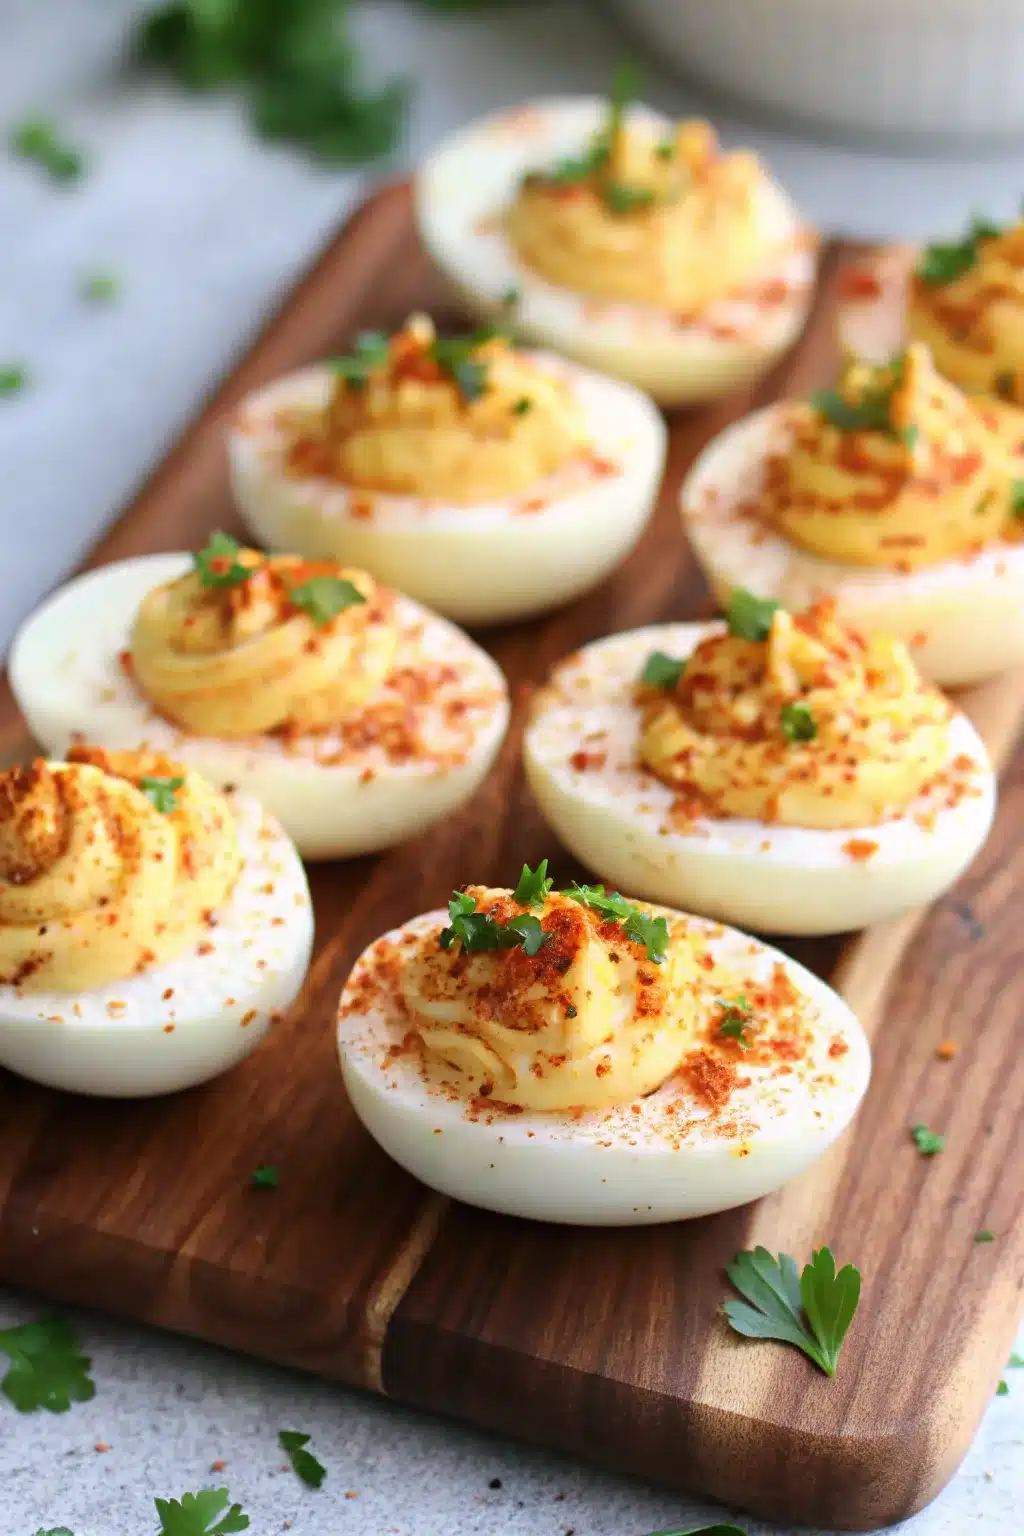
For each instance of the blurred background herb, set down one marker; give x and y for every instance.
(294, 62)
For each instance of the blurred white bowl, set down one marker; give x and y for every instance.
(936, 70)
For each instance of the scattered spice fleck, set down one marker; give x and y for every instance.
(946, 1050)
(102, 1447)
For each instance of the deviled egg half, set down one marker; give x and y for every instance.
(894, 494)
(151, 929)
(574, 1057)
(622, 239)
(355, 716)
(776, 771)
(488, 483)
(963, 298)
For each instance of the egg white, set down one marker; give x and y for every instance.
(66, 676)
(628, 1165)
(963, 619)
(616, 817)
(178, 1024)
(480, 564)
(465, 185)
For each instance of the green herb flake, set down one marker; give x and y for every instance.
(522, 406)
(621, 198)
(812, 1310)
(370, 351)
(571, 1011)
(208, 1513)
(162, 792)
(265, 1176)
(304, 1463)
(1016, 1362)
(662, 671)
(735, 1020)
(324, 597)
(454, 356)
(705, 1530)
(101, 287)
(218, 564)
(1003, 1389)
(666, 150)
(798, 724)
(928, 1142)
(750, 617)
(640, 927)
(511, 297)
(871, 413)
(1017, 497)
(534, 885)
(984, 1236)
(477, 931)
(56, 1530)
(945, 261)
(47, 1369)
(13, 378)
(38, 140)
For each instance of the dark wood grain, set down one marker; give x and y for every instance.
(605, 1343)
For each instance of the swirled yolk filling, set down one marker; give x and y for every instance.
(894, 468)
(464, 418)
(796, 720)
(109, 863)
(247, 643)
(586, 1019)
(667, 220)
(966, 302)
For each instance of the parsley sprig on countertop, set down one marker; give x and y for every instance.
(705, 1530)
(39, 141)
(47, 1369)
(811, 1310)
(207, 1513)
(304, 1463)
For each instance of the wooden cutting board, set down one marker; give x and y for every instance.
(605, 1343)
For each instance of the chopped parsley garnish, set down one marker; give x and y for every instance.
(928, 1142)
(662, 671)
(56, 1530)
(522, 405)
(162, 792)
(534, 885)
(38, 140)
(798, 724)
(706, 1530)
(666, 150)
(208, 1513)
(750, 617)
(638, 926)
(1017, 497)
(454, 356)
(324, 597)
(13, 378)
(946, 261)
(369, 351)
(304, 1463)
(1016, 1362)
(984, 1236)
(1003, 1389)
(47, 1369)
(511, 297)
(265, 1176)
(868, 414)
(735, 1019)
(100, 287)
(477, 931)
(621, 197)
(571, 1011)
(218, 564)
(812, 1310)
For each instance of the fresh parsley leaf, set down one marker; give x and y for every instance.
(534, 885)
(1003, 1389)
(369, 351)
(303, 1462)
(705, 1530)
(218, 564)
(13, 378)
(735, 1018)
(208, 1513)
(162, 792)
(47, 1369)
(454, 356)
(945, 261)
(38, 140)
(324, 597)
(265, 1176)
(811, 1310)
(798, 724)
(639, 926)
(750, 617)
(1016, 1362)
(625, 84)
(1017, 497)
(511, 297)
(666, 150)
(100, 287)
(984, 1236)
(662, 671)
(522, 406)
(620, 197)
(928, 1142)
(868, 414)
(477, 931)
(55, 1530)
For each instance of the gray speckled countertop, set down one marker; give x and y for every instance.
(205, 228)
